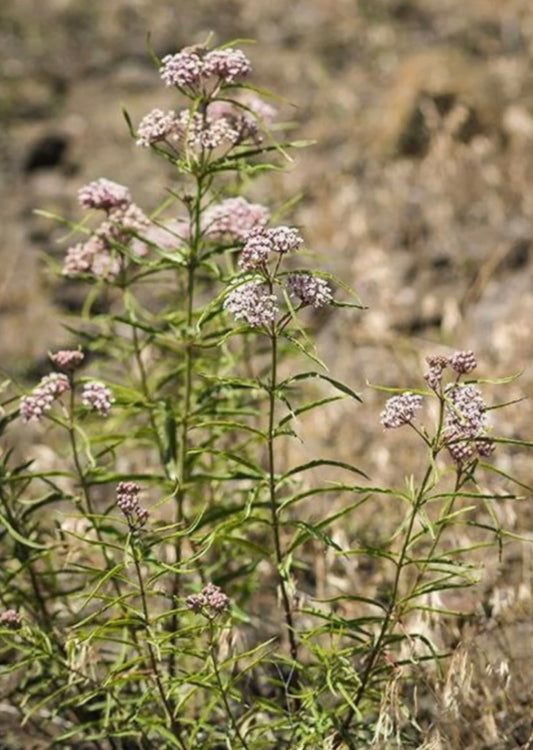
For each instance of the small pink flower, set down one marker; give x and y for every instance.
(103, 194)
(157, 126)
(41, 399)
(128, 501)
(437, 364)
(121, 223)
(97, 396)
(183, 69)
(233, 218)
(11, 619)
(210, 602)
(256, 250)
(191, 67)
(400, 410)
(93, 258)
(67, 360)
(463, 362)
(253, 303)
(284, 239)
(311, 290)
(227, 64)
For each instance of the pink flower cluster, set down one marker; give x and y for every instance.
(464, 431)
(67, 360)
(233, 218)
(11, 619)
(210, 602)
(95, 256)
(461, 362)
(98, 397)
(309, 289)
(400, 410)
(158, 126)
(223, 124)
(261, 242)
(253, 303)
(41, 399)
(465, 422)
(127, 494)
(194, 69)
(103, 194)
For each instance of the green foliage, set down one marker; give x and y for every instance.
(111, 650)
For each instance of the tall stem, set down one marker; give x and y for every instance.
(285, 598)
(389, 615)
(89, 509)
(183, 467)
(218, 677)
(173, 723)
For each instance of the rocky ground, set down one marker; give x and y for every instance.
(418, 192)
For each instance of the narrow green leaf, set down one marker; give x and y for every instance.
(321, 462)
(17, 536)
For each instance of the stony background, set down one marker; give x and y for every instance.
(418, 192)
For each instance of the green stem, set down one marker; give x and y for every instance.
(285, 598)
(147, 395)
(389, 615)
(89, 512)
(183, 468)
(216, 669)
(174, 725)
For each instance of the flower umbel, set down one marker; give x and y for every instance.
(41, 399)
(103, 194)
(310, 290)
(128, 501)
(400, 410)
(98, 397)
(67, 360)
(192, 67)
(157, 126)
(210, 602)
(253, 303)
(233, 218)
(463, 362)
(11, 619)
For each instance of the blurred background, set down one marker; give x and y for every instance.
(418, 191)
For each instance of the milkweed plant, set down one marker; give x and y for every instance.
(157, 568)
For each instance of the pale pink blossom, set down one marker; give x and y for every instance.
(98, 397)
(67, 360)
(400, 410)
(311, 290)
(253, 303)
(463, 362)
(233, 218)
(103, 194)
(127, 494)
(210, 602)
(157, 126)
(34, 406)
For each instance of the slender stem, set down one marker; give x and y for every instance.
(442, 525)
(216, 669)
(89, 513)
(289, 620)
(146, 393)
(390, 613)
(174, 724)
(183, 468)
(95, 684)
